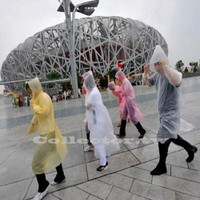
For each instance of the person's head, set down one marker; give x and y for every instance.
(89, 82)
(159, 66)
(33, 87)
(111, 85)
(86, 74)
(120, 76)
(158, 60)
(28, 89)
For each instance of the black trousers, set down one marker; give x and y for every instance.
(43, 183)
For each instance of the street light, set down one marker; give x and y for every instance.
(86, 8)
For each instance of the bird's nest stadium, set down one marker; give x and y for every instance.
(99, 43)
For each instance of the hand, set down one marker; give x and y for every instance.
(35, 107)
(32, 129)
(162, 62)
(146, 68)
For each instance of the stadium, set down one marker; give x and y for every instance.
(100, 43)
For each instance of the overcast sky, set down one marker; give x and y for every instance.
(177, 20)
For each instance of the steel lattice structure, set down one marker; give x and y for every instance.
(100, 43)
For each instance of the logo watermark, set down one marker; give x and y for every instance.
(105, 140)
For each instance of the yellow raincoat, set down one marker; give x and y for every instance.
(51, 149)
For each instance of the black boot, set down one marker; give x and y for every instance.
(122, 131)
(140, 129)
(42, 182)
(60, 177)
(187, 146)
(161, 166)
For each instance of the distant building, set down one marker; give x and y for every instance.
(100, 43)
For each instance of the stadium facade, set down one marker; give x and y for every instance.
(100, 43)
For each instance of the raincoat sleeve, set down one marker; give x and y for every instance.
(33, 126)
(152, 79)
(126, 87)
(91, 99)
(173, 75)
(43, 108)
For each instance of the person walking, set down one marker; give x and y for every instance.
(117, 92)
(167, 82)
(99, 123)
(130, 108)
(48, 155)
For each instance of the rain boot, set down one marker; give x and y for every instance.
(141, 130)
(161, 166)
(187, 146)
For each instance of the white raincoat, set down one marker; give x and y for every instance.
(99, 122)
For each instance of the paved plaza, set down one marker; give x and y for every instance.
(128, 176)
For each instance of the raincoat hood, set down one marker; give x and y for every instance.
(158, 55)
(120, 76)
(111, 85)
(86, 74)
(35, 87)
(89, 82)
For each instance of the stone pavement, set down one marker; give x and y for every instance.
(128, 176)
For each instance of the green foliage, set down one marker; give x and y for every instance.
(186, 70)
(194, 65)
(103, 82)
(53, 75)
(79, 78)
(112, 74)
(178, 65)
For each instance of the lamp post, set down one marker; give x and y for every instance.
(86, 8)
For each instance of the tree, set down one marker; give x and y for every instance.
(53, 75)
(179, 65)
(103, 82)
(79, 78)
(194, 65)
(186, 70)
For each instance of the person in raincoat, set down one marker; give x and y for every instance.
(130, 108)
(99, 123)
(51, 149)
(167, 82)
(117, 92)
(90, 146)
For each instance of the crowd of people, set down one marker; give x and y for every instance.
(20, 101)
(99, 127)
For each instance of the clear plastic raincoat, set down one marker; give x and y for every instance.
(51, 149)
(130, 108)
(167, 97)
(99, 122)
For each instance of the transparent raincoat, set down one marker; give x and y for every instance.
(99, 122)
(51, 149)
(131, 108)
(167, 87)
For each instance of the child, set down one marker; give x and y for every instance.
(99, 123)
(167, 82)
(117, 92)
(47, 155)
(130, 107)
